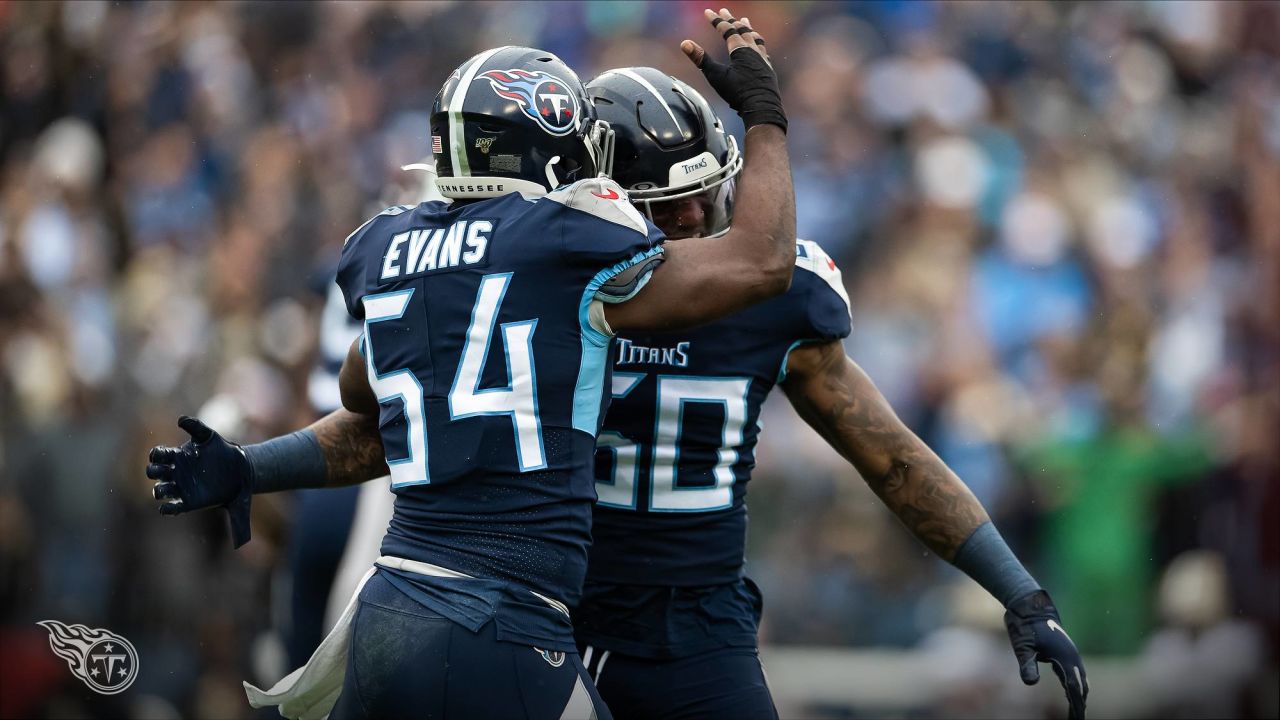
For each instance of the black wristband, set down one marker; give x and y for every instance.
(749, 85)
(289, 462)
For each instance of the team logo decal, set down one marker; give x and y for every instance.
(104, 661)
(543, 97)
(554, 658)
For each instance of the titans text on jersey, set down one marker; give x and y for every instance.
(630, 353)
(672, 465)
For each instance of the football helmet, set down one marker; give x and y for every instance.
(668, 143)
(515, 119)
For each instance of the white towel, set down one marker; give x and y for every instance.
(310, 692)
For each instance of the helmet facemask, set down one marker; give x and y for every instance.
(717, 187)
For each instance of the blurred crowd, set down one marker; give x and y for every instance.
(1059, 224)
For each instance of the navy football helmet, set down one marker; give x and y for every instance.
(669, 145)
(515, 119)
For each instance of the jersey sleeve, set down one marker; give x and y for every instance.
(604, 234)
(825, 302)
(353, 270)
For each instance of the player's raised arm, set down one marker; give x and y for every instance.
(838, 400)
(706, 278)
(341, 448)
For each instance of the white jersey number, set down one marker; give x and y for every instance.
(674, 392)
(518, 400)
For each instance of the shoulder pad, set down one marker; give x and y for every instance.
(602, 198)
(393, 210)
(810, 256)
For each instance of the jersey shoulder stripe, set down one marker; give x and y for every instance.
(810, 256)
(601, 198)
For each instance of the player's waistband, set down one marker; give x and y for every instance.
(520, 615)
(668, 622)
(427, 569)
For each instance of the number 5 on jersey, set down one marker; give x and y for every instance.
(518, 400)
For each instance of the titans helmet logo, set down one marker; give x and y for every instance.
(543, 98)
(104, 661)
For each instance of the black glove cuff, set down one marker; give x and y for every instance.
(766, 116)
(750, 87)
(760, 100)
(1036, 604)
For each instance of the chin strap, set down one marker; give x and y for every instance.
(552, 181)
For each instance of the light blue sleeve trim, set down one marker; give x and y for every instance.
(597, 282)
(782, 370)
(587, 394)
(624, 286)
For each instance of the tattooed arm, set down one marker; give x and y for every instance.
(341, 448)
(838, 400)
(352, 447)
(349, 437)
(834, 396)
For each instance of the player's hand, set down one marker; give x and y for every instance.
(748, 82)
(1037, 636)
(207, 471)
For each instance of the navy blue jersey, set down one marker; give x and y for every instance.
(678, 444)
(490, 372)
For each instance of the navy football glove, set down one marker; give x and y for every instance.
(207, 471)
(747, 82)
(1037, 636)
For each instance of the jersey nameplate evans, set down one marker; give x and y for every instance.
(420, 251)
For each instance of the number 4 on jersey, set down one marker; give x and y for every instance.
(519, 399)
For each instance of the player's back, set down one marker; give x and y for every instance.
(489, 374)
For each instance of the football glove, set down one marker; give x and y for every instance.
(1037, 636)
(206, 471)
(747, 82)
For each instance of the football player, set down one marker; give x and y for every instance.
(480, 380)
(667, 622)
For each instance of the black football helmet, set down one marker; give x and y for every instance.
(515, 119)
(668, 143)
